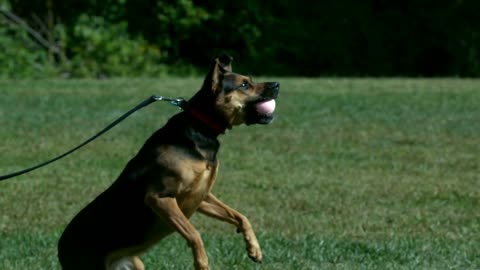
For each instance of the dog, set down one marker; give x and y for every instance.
(170, 179)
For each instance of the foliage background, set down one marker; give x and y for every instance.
(306, 38)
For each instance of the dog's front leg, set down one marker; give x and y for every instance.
(213, 207)
(168, 210)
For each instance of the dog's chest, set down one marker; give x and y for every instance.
(196, 183)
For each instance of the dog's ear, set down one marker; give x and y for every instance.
(221, 65)
(224, 61)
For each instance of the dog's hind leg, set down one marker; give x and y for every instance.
(127, 263)
(213, 207)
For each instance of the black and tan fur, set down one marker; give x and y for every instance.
(169, 179)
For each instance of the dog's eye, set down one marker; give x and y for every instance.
(244, 86)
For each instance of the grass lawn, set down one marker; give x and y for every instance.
(353, 173)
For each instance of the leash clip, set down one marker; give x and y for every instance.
(178, 102)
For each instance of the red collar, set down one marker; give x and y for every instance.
(216, 126)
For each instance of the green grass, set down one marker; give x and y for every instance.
(353, 173)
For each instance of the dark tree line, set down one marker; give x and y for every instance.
(298, 38)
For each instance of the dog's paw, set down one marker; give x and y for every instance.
(201, 267)
(201, 264)
(255, 253)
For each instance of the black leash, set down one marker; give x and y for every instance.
(179, 102)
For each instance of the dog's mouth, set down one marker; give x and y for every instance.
(261, 111)
(265, 107)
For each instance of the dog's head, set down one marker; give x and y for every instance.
(237, 98)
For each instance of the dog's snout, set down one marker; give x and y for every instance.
(271, 90)
(273, 85)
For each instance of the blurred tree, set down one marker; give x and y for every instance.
(307, 38)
